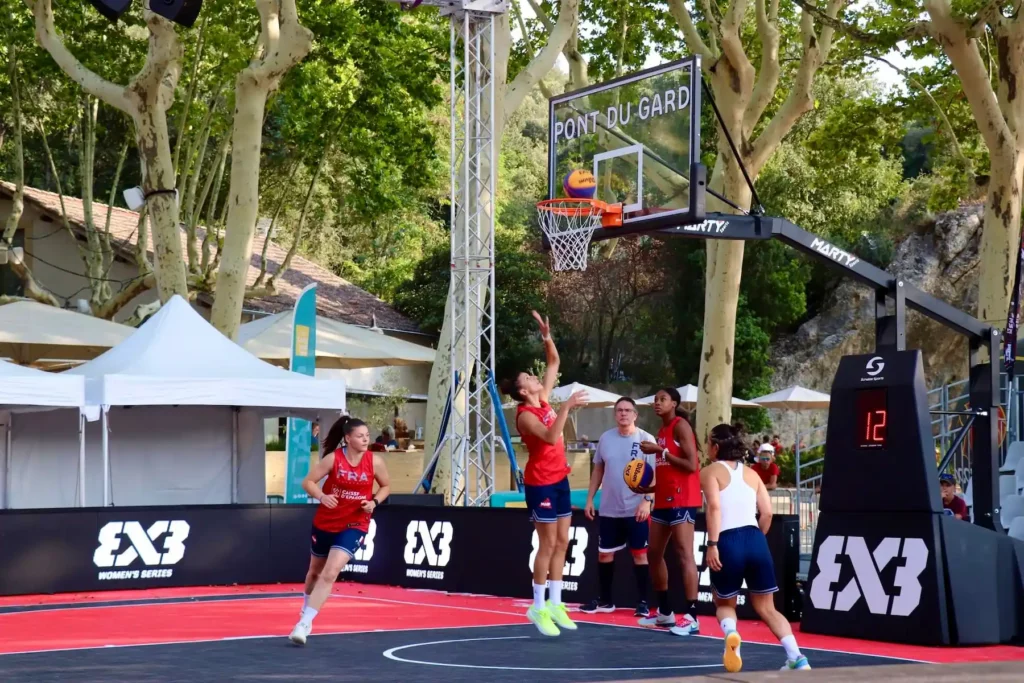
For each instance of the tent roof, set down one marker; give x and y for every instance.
(596, 398)
(31, 331)
(178, 358)
(30, 387)
(688, 396)
(794, 398)
(338, 345)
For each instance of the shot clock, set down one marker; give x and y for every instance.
(872, 417)
(879, 451)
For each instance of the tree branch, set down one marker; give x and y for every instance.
(517, 13)
(692, 38)
(302, 216)
(732, 43)
(47, 37)
(965, 57)
(768, 75)
(799, 100)
(540, 65)
(886, 39)
(114, 304)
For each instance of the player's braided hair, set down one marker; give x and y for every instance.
(730, 441)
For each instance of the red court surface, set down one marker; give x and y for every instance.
(190, 615)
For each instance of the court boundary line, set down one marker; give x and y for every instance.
(259, 637)
(410, 603)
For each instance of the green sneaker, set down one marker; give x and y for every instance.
(560, 615)
(541, 618)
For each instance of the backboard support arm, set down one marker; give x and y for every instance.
(890, 328)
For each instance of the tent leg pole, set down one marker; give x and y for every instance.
(8, 456)
(81, 460)
(234, 456)
(106, 457)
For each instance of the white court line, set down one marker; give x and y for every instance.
(452, 607)
(217, 640)
(390, 654)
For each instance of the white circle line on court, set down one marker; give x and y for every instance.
(390, 654)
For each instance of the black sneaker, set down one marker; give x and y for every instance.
(597, 606)
(642, 610)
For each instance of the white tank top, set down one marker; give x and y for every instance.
(738, 500)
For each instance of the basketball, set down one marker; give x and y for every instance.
(638, 474)
(580, 184)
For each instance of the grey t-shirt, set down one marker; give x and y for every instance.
(615, 451)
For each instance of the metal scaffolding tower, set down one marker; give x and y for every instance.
(471, 434)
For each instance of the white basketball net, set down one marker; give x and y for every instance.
(569, 226)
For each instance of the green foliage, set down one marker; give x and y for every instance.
(378, 410)
(520, 275)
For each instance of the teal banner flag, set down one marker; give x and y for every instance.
(300, 432)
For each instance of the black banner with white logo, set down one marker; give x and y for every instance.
(487, 551)
(878, 577)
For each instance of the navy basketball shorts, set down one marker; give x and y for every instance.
(745, 557)
(616, 533)
(673, 516)
(346, 540)
(549, 502)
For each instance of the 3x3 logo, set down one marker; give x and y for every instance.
(867, 581)
(142, 543)
(430, 543)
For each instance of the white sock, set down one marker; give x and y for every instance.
(728, 625)
(538, 596)
(556, 592)
(792, 651)
(308, 614)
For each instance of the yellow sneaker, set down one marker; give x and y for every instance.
(541, 618)
(560, 615)
(731, 659)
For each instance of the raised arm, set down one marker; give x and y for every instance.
(528, 423)
(551, 355)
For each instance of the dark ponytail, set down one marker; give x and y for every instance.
(510, 387)
(730, 441)
(673, 394)
(338, 431)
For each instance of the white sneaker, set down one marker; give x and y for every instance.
(658, 619)
(689, 627)
(800, 664)
(300, 632)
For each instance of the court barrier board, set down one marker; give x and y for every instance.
(485, 551)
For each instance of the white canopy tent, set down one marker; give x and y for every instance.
(338, 345)
(794, 398)
(27, 390)
(31, 332)
(688, 395)
(185, 405)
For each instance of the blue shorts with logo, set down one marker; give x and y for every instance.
(346, 540)
(615, 533)
(673, 516)
(745, 556)
(549, 502)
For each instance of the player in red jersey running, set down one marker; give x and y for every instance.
(547, 482)
(347, 502)
(677, 498)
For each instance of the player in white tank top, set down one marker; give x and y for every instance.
(737, 550)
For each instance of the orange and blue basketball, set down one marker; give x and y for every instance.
(638, 474)
(580, 184)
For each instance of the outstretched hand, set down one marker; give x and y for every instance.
(543, 323)
(580, 398)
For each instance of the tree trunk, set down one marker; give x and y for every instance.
(1000, 240)
(158, 174)
(284, 43)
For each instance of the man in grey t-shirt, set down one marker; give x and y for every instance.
(623, 515)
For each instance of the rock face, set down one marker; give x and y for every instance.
(941, 259)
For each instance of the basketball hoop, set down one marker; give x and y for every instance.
(569, 224)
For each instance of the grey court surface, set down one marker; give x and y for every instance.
(498, 653)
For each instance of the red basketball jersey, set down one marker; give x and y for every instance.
(547, 463)
(674, 488)
(352, 484)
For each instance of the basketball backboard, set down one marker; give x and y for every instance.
(640, 137)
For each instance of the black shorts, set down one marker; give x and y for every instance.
(745, 557)
(549, 502)
(346, 540)
(615, 533)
